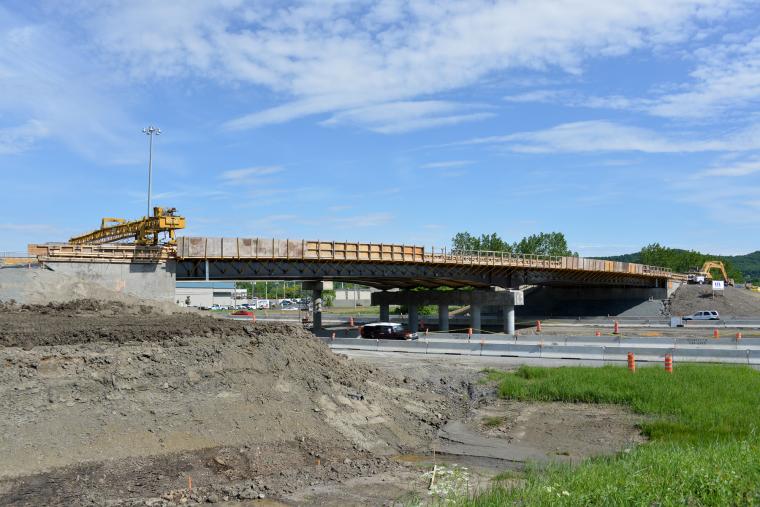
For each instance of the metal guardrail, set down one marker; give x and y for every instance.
(644, 350)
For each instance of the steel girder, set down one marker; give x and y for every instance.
(390, 275)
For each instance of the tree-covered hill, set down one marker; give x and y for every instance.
(739, 267)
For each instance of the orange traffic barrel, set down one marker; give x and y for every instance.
(716, 333)
(631, 362)
(669, 363)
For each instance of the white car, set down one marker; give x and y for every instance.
(703, 315)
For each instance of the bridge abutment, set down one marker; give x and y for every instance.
(147, 280)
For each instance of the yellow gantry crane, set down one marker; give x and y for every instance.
(144, 231)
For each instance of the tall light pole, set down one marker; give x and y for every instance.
(150, 132)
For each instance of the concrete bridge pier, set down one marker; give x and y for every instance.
(475, 311)
(509, 319)
(443, 317)
(385, 312)
(316, 302)
(414, 319)
(476, 299)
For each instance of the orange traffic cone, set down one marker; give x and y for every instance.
(631, 362)
(598, 333)
(538, 326)
(616, 329)
(716, 334)
(738, 336)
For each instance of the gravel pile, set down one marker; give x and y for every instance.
(734, 302)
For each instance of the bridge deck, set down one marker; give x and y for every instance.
(379, 265)
(197, 248)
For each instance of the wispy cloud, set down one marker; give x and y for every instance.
(22, 137)
(606, 136)
(243, 175)
(335, 57)
(726, 79)
(28, 227)
(447, 164)
(367, 220)
(400, 117)
(740, 168)
(55, 91)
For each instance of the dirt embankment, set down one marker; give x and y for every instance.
(120, 404)
(732, 302)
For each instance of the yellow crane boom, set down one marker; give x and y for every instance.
(144, 231)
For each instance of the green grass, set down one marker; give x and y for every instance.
(493, 421)
(702, 421)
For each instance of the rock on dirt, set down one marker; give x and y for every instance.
(109, 403)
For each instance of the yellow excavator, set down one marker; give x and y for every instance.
(704, 275)
(144, 231)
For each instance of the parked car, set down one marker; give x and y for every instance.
(703, 315)
(387, 331)
(262, 304)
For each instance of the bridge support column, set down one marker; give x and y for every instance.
(475, 309)
(414, 320)
(316, 302)
(316, 298)
(385, 312)
(443, 317)
(509, 319)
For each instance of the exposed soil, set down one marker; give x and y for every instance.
(562, 431)
(120, 404)
(734, 302)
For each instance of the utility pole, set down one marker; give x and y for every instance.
(150, 131)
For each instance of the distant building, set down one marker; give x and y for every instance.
(349, 297)
(207, 294)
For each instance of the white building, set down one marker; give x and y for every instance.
(207, 294)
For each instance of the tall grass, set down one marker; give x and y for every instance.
(703, 422)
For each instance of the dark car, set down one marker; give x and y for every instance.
(387, 331)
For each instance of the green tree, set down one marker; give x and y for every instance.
(490, 242)
(683, 261)
(544, 243)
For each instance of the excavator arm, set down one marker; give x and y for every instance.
(710, 265)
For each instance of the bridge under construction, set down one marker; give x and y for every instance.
(151, 271)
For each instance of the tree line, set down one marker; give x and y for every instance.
(543, 243)
(679, 260)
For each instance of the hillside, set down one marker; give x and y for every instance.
(748, 265)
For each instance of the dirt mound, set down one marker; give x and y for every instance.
(87, 321)
(159, 397)
(734, 302)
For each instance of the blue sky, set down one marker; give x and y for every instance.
(618, 123)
